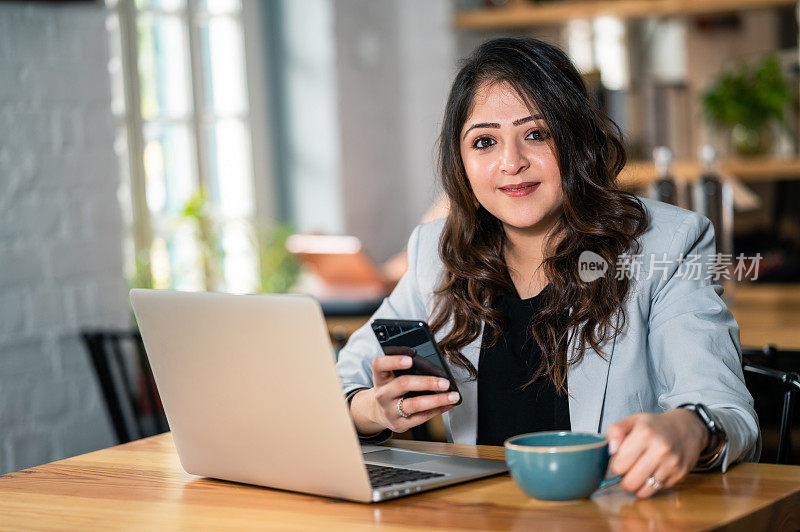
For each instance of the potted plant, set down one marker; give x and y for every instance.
(746, 101)
(197, 211)
(278, 268)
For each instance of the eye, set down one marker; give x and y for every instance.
(539, 134)
(481, 143)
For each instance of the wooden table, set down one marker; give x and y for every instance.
(140, 485)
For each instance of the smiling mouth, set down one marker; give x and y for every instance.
(521, 186)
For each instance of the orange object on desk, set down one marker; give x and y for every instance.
(342, 266)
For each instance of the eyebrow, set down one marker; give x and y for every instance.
(497, 126)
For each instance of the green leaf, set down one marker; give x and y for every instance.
(751, 95)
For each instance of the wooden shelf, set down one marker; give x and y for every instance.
(642, 173)
(767, 313)
(521, 14)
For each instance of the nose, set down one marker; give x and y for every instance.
(514, 160)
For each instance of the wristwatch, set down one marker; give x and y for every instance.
(711, 455)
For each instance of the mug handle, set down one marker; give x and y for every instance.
(609, 482)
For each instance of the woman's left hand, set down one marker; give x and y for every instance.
(662, 446)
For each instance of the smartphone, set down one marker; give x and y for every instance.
(415, 339)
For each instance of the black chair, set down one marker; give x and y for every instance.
(127, 384)
(772, 380)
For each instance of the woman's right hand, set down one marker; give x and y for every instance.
(375, 409)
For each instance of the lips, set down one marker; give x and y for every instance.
(520, 189)
(520, 186)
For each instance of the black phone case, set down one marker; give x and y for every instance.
(415, 369)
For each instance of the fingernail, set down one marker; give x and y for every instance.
(613, 445)
(452, 397)
(406, 361)
(443, 384)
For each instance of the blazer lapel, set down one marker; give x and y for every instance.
(587, 383)
(461, 423)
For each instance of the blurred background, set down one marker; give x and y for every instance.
(215, 144)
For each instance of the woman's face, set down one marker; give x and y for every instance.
(510, 164)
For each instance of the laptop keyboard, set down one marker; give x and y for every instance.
(380, 476)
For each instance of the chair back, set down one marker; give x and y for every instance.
(126, 382)
(774, 385)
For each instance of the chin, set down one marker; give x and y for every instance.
(523, 221)
(519, 222)
(522, 224)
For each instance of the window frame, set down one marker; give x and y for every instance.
(142, 223)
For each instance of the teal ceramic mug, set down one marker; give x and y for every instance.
(559, 466)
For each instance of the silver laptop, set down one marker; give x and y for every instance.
(251, 393)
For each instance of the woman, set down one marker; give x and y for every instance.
(536, 338)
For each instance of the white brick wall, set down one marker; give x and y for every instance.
(60, 230)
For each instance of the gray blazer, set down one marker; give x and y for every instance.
(680, 343)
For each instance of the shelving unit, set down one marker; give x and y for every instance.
(642, 173)
(526, 14)
(521, 14)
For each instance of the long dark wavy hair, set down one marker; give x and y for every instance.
(596, 215)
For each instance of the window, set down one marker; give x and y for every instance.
(179, 95)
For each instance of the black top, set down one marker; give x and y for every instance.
(504, 411)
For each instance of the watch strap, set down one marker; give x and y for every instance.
(711, 456)
(376, 438)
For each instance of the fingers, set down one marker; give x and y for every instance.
(383, 368)
(618, 431)
(416, 383)
(398, 350)
(422, 417)
(388, 390)
(652, 451)
(423, 403)
(658, 463)
(403, 424)
(668, 472)
(631, 448)
(645, 467)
